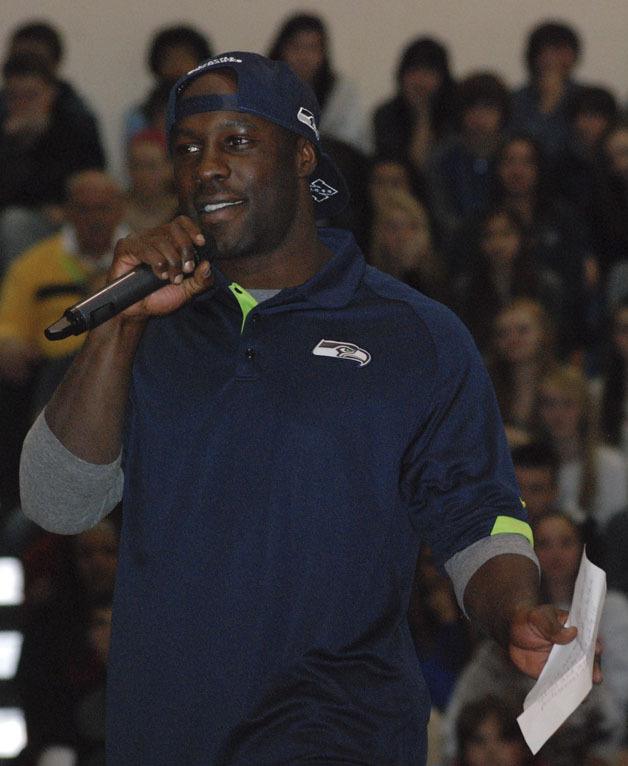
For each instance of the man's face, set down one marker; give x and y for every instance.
(518, 335)
(560, 58)
(94, 210)
(482, 121)
(420, 84)
(304, 53)
(538, 489)
(518, 169)
(236, 175)
(29, 95)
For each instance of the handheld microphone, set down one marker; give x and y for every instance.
(106, 303)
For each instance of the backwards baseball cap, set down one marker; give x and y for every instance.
(268, 89)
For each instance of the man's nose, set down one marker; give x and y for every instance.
(213, 164)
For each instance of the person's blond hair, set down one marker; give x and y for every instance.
(572, 382)
(425, 261)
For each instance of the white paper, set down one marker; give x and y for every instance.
(566, 678)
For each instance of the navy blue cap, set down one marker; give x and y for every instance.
(271, 90)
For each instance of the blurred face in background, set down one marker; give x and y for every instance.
(518, 169)
(419, 84)
(94, 208)
(304, 53)
(617, 151)
(489, 747)
(150, 170)
(620, 333)
(561, 412)
(590, 128)
(29, 95)
(482, 121)
(501, 242)
(559, 58)
(405, 235)
(97, 558)
(387, 176)
(519, 334)
(538, 489)
(175, 61)
(100, 632)
(558, 548)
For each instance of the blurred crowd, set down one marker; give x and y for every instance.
(511, 207)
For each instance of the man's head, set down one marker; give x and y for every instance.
(40, 38)
(150, 169)
(175, 50)
(422, 70)
(484, 105)
(536, 469)
(94, 207)
(593, 112)
(552, 46)
(244, 137)
(30, 86)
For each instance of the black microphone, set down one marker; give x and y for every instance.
(106, 303)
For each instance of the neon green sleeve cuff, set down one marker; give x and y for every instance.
(508, 525)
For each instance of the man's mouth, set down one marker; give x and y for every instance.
(213, 207)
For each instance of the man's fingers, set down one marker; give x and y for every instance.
(550, 624)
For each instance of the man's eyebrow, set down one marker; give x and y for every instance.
(233, 123)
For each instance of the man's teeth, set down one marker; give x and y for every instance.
(219, 206)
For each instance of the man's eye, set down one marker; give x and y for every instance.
(239, 142)
(187, 148)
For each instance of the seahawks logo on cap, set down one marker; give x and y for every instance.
(341, 350)
(321, 190)
(307, 118)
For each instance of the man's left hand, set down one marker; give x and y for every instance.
(533, 632)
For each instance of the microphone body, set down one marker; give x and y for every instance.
(106, 303)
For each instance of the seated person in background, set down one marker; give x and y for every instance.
(589, 736)
(421, 112)
(522, 353)
(303, 43)
(592, 114)
(459, 170)
(499, 269)
(150, 200)
(41, 145)
(44, 40)
(613, 384)
(558, 544)
(536, 468)
(610, 218)
(487, 734)
(60, 270)
(540, 108)
(441, 635)
(402, 244)
(66, 618)
(558, 239)
(592, 477)
(173, 51)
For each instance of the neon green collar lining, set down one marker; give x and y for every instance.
(245, 300)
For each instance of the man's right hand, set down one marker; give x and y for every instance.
(170, 251)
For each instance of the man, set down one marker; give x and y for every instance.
(536, 470)
(42, 143)
(541, 107)
(58, 271)
(45, 41)
(276, 485)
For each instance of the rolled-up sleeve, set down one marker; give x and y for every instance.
(59, 491)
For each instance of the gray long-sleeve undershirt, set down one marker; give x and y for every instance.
(67, 495)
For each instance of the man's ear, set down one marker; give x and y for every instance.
(306, 157)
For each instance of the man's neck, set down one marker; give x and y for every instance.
(277, 270)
